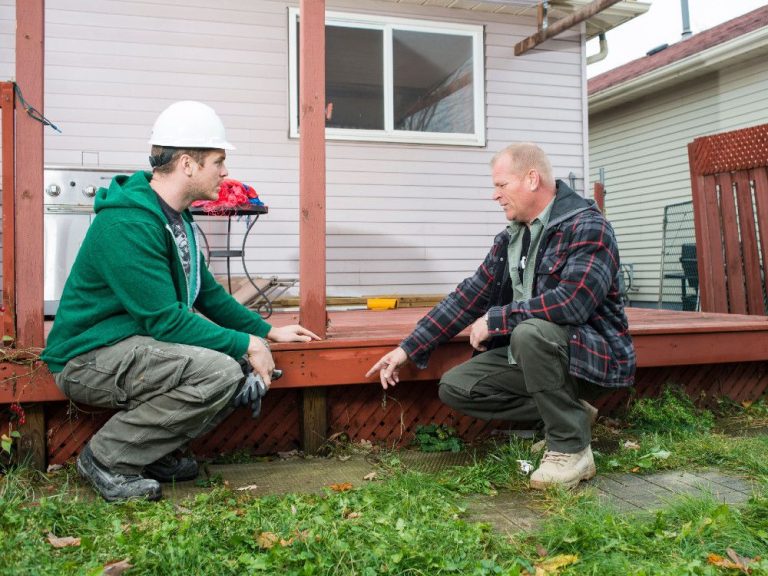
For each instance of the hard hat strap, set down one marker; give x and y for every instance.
(165, 156)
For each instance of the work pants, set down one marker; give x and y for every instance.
(537, 387)
(166, 394)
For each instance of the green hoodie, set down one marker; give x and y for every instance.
(128, 280)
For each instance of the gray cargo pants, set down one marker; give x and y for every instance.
(538, 387)
(166, 395)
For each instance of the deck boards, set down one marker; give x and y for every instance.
(357, 338)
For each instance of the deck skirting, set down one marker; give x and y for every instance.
(709, 355)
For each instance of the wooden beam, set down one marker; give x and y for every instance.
(312, 166)
(8, 104)
(312, 292)
(28, 240)
(545, 32)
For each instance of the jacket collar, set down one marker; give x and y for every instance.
(567, 204)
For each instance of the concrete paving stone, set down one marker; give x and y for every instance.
(618, 504)
(280, 476)
(506, 512)
(620, 487)
(734, 482)
(433, 462)
(687, 483)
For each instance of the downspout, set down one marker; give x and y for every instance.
(603, 50)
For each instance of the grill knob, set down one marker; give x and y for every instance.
(53, 190)
(89, 191)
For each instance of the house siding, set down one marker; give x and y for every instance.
(401, 218)
(642, 148)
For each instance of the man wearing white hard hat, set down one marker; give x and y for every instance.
(125, 334)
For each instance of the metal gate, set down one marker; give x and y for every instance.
(679, 276)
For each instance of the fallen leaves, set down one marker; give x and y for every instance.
(341, 487)
(554, 564)
(116, 568)
(733, 562)
(370, 477)
(267, 540)
(62, 542)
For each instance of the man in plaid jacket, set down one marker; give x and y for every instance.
(548, 321)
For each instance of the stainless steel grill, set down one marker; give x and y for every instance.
(69, 196)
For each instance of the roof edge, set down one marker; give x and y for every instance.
(690, 67)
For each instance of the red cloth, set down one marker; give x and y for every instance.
(232, 193)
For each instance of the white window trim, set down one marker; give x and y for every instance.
(386, 24)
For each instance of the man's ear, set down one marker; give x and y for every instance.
(185, 161)
(533, 179)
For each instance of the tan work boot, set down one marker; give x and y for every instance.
(591, 410)
(566, 470)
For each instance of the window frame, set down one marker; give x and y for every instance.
(387, 24)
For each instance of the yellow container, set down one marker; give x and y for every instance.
(382, 303)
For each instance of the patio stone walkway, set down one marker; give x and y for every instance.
(507, 512)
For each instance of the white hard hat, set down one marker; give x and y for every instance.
(189, 124)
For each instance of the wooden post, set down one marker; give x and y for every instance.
(28, 240)
(8, 103)
(312, 313)
(599, 195)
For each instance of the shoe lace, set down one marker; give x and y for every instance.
(551, 456)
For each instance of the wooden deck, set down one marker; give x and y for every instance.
(357, 338)
(710, 355)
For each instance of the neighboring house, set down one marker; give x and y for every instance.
(420, 95)
(643, 115)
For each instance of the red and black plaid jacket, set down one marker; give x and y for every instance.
(576, 284)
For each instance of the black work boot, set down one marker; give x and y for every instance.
(172, 469)
(112, 486)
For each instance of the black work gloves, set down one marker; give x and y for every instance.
(253, 391)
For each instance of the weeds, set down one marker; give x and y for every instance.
(408, 522)
(672, 413)
(437, 438)
(400, 526)
(677, 540)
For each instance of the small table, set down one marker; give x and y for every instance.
(228, 253)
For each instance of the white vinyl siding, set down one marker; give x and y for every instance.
(643, 149)
(402, 218)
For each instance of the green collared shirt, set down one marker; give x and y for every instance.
(524, 290)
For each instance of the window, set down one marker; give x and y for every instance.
(397, 80)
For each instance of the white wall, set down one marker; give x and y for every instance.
(643, 148)
(402, 218)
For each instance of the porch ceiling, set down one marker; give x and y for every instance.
(606, 20)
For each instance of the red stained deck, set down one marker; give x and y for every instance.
(357, 338)
(710, 355)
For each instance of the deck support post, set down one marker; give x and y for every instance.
(28, 240)
(312, 289)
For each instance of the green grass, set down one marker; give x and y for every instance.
(403, 525)
(409, 522)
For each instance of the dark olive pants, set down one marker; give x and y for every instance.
(166, 394)
(537, 387)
